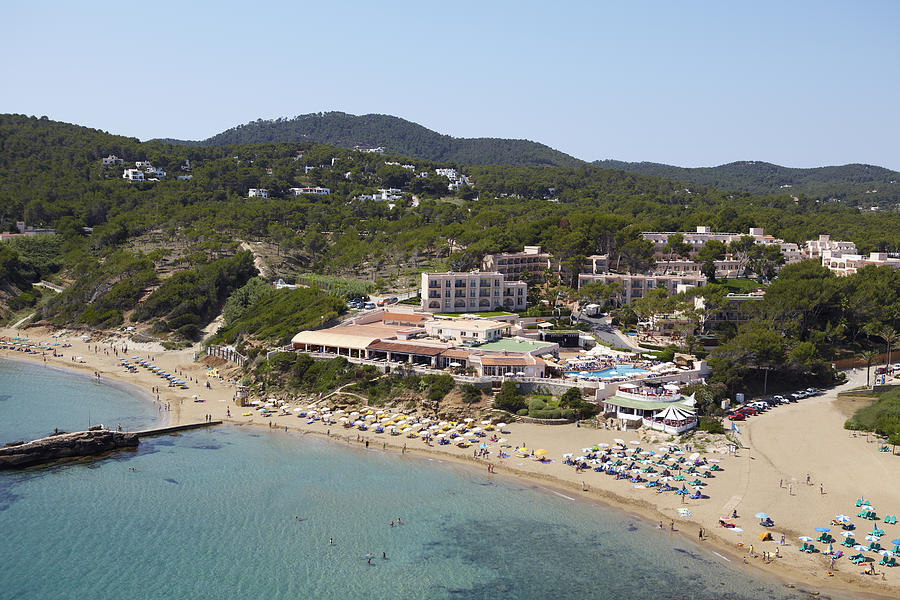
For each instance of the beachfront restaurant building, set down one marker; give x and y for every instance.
(662, 408)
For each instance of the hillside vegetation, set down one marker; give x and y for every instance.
(856, 184)
(163, 256)
(397, 136)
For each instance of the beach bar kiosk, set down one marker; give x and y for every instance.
(659, 407)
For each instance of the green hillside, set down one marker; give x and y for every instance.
(856, 184)
(397, 136)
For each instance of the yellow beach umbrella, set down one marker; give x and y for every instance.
(540, 452)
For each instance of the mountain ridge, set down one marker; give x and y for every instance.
(856, 183)
(397, 136)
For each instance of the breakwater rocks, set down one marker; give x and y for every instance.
(64, 445)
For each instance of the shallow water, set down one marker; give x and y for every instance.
(35, 399)
(212, 514)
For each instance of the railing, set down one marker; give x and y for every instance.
(227, 353)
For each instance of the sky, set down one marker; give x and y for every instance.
(796, 83)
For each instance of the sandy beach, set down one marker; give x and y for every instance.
(768, 474)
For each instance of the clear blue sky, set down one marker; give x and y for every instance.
(687, 83)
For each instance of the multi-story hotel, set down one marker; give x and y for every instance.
(471, 292)
(847, 264)
(637, 286)
(513, 264)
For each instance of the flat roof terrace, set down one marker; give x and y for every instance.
(514, 345)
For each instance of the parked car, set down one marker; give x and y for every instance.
(369, 305)
(738, 416)
(392, 300)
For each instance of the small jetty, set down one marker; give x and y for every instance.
(174, 428)
(93, 442)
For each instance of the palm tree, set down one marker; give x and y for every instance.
(889, 335)
(869, 357)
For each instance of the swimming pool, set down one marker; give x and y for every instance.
(618, 371)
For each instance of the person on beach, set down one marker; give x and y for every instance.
(392, 523)
(330, 541)
(399, 521)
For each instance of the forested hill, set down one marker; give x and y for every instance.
(854, 184)
(397, 136)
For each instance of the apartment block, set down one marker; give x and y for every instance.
(513, 264)
(476, 291)
(637, 286)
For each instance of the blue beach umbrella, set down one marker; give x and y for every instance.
(761, 515)
(896, 542)
(823, 529)
(805, 538)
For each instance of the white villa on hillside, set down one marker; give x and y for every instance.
(318, 191)
(111, 161)
(258, 193)
(133, 175)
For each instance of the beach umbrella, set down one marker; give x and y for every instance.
(847, 533)
(823, 529)
(860, 548)
(635, 442)
(886, 552)
(487, 422)
(567, 455)
(896, 542)
(761, 515)
(540, 452)
(804, 538)
(842, 519)
(873, 538)
(501, 424)
(603, 445)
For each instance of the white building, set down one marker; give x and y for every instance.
(155, 171)
(467, 330)
(388, 194)
(111, 161)
(143, 164)
(318, 191)
(637, 286)
(133, 175)
(471, 292)
(184, 177)
(513, 264)
(450, 174)
(258, 193)
(815, 248)
(847, 264)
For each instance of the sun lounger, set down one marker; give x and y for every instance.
(849, 542)
(894, 520)
(810, 549)
(803, 547)
(857, 559)
(890, 562)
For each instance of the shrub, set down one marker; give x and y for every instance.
(510, 399)
(536, 405)
(522, 412)
(711, 425)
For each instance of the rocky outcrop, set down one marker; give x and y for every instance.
(68, 445)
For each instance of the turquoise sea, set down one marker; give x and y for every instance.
(213, 514)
